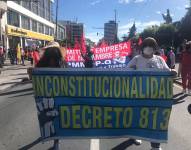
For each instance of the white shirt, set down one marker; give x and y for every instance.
(155, 63)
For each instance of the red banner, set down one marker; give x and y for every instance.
(73, 55)
(102, 52)
(112, 51)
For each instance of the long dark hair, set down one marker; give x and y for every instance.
(51, 54)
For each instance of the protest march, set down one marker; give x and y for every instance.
(95, 74)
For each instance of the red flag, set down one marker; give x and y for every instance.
(104, 44)
(140, 41)
(83, 45)
(36, 57)
(77, 44)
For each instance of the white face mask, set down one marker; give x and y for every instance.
(148, 51)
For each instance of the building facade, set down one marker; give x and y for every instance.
(74, 30)
(3, 9)
(61, 32)
(110, 32)
(29, 23)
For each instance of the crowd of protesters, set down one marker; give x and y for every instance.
(149, 56)
(20, 55)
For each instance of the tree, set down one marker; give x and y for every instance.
(166, 34)
(149, 32)
(185, 27)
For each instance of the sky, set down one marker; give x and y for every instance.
(94, 13)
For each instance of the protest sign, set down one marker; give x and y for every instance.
(92, 103)
(113, 56)
(112, 51)
(120, 62)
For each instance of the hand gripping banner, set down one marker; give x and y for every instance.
(95, 103)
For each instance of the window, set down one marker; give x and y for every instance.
(47, 6)
(40, 28)
(34, 25)
(25, 22)
(46, 30)
(51, 11)
(18, 2)
(61, 32)
(34, 6)
(26, 4)
(13, 18)
(51, 32)
(41, 8)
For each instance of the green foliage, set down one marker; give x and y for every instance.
(185, 27)
(149, 32)
(166, 34)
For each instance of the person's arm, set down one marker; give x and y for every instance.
(132, 63)
(166, 68)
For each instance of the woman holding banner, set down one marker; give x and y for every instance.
(148, 61)
(52, 57)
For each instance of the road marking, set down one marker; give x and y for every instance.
(94, 144)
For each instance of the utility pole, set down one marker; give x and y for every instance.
(56, 34)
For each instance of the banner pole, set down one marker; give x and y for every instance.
(56, 144)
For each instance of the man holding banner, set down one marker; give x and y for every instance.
(147, 60)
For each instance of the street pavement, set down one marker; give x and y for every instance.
(11, 75)
(19, 127)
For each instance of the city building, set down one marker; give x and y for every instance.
(74, 30)
(3, 9)
(61, 32)
(110, 32)
(29, 23)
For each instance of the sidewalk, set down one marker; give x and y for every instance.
(8, 66)
(13, 75)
